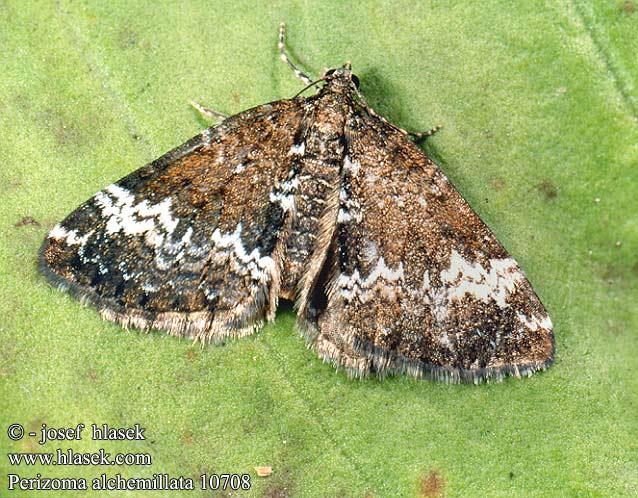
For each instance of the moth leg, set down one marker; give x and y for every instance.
(284, 57)
(416, 135)
(208, 113)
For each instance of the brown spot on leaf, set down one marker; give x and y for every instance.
(498, 183)
(8, 355)
(9, 184)
(183, 377)
(26, 220)
(186, 437)
(432, 485)
(630, 7)
(67, 134)
(30, 444)
(548, 189)
(127, 37)
(65, 131)
(35, 424)
(616, 273)
(223, 493)
(92, 375)
(281, 487)
(276, 491)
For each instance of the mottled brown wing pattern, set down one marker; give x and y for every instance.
(190, 243)
(319, 200)
(415, 281)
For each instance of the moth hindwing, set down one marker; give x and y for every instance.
(320, 200)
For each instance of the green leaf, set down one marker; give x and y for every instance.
(539, 103)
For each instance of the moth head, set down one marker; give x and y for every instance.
(342, 76)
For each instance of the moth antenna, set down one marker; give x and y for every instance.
(284, 57)
(415, 135)
(312, 83)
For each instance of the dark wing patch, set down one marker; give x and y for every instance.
(190, 243)
(415, 281)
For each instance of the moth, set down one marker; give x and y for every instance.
(321, 201)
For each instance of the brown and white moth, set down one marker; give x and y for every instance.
(319, 200)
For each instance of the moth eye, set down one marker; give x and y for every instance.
(330, 71)
(355, 80)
